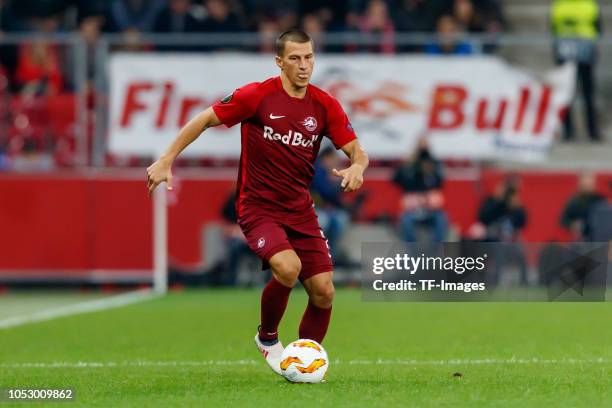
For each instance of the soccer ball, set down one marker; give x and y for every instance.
(304, 361)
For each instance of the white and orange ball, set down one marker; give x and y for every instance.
(304, 361)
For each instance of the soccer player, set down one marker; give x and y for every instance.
(283, 120)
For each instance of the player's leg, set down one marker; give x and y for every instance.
(310, 244)
(269, 241)
(286, 267)
(316, 318)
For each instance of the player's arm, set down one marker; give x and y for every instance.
(161, 170)
(352, 177)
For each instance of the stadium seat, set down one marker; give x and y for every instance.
(45, 123)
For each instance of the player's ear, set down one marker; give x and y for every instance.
(279, 61)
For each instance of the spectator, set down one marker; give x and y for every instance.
(330, 13)
(268, 31)
(447, 43)
(376, 21)
(327, 193)
(421, 179)
(480, 16)
(503, 214)
(38, 69)
(235, 242)
(314, 26)
(576, 24)
(490, 15)
(133, 16)
(351, 22)
(256, 11)
(466, 17)
(93, 19)
(577, 212)
(220, 18)
(421, 15)
(90, 27)
(287, 21)
(503, 217)
(177, 17)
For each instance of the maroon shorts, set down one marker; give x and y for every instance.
(267, 236)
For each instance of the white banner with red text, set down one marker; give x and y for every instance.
(476, 107)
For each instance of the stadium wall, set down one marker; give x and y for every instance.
(73, 222)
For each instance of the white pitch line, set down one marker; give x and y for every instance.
(382, 362)
(123, 299)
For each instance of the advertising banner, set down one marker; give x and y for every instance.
(475, 107)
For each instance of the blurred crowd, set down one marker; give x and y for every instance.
(316, 16)
(38, 78)
(91, 18)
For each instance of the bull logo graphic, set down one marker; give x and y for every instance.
(310, 124)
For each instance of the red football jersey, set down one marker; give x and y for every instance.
(281, 136)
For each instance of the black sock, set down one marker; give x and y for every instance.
(268, 342)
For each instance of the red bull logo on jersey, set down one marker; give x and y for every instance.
(292, 138)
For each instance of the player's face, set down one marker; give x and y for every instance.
(297, 63)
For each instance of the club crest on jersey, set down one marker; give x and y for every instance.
(261, 242)
(310, 124)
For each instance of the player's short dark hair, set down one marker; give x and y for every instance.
(293, 35)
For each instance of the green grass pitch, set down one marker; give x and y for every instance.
(195, 348)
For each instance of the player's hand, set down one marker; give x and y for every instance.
(352, 177)
(159, 172)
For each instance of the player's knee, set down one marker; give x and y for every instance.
(287, 270)
(324, 295)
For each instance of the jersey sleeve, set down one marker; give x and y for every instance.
(338, 127)
(238, 106)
